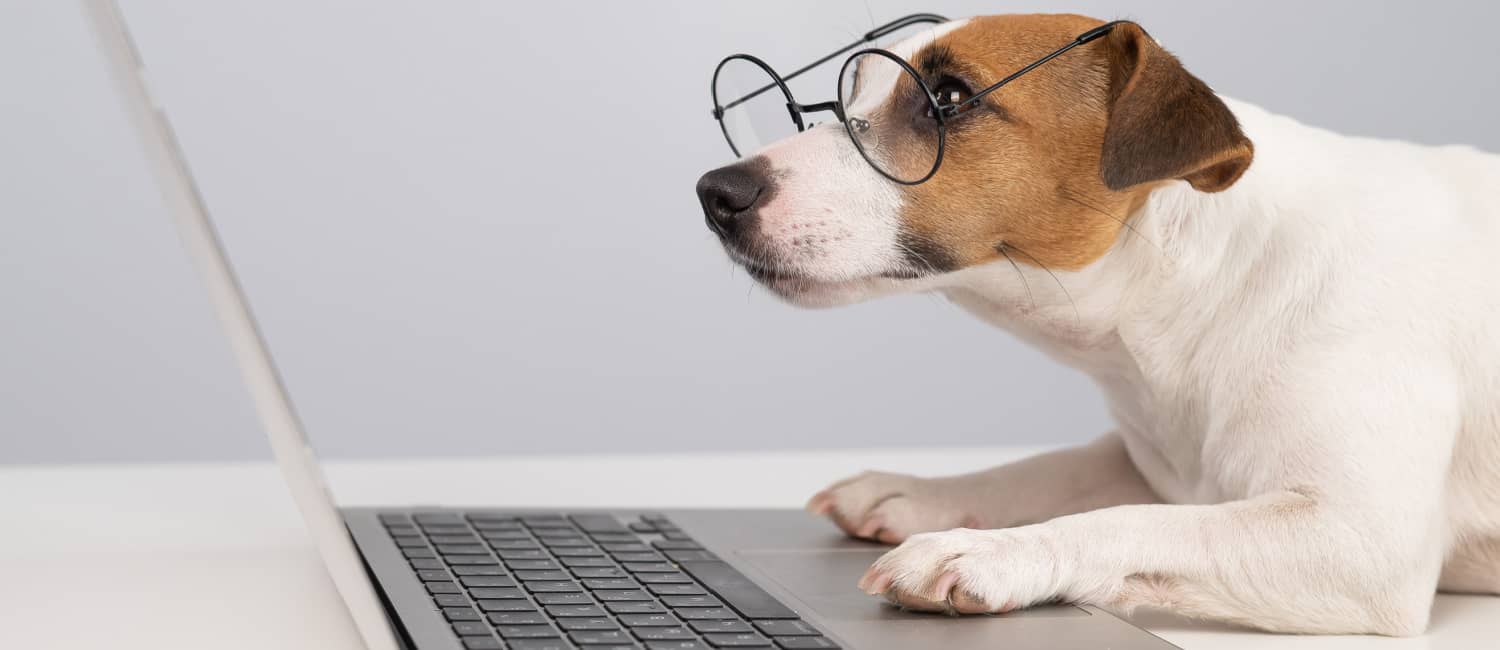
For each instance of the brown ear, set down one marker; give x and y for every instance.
(1165, 123)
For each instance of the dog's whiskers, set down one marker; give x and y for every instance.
(1069, 195)
(1077, 318)
(1019, 272)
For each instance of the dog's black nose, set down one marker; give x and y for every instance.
(728, 194)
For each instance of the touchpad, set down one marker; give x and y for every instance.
(825, 581)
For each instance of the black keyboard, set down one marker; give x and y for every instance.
(552, 582)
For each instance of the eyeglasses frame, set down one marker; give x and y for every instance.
(941, 112)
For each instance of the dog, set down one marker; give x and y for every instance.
(1297, 333)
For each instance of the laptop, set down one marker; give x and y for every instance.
(487, 579)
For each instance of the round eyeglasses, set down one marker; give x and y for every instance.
(891, 114)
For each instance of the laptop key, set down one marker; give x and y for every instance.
(649, 620)
(691, 601)
(676, 590)
(443, 588)
(454, 539)
(411, 542)
(539, 644)
(587, 623)
(470, 560)
(479, 570)
(586, 561)
(510, 605)
(706, 614)
(482, 643)
(577, 551)
(642, 527)
(690, 556)
(552, 586)
(389, 518)
(521, 554)
(624, 538)
(461, 614)
(599, 637)
(418, 553)
(734, 588)
(564, 542)
(543, 519)
(451, 600)
(806, 643)
(462, 549)
(611, 583)
(434, 575)
(785, 628)
(664, 578)
(737, 640)
(676, 535)
(629, 556)
(677, 545)
(574, 611)
(504, 534)
(471, 628)
(438, 518)
(519, 618)
(497, 525)
(599, 524)
(509, 632)
(734, 627)
(624, 547)
(663, 633)
(497, 593)
(634, 607)
(531, 565)
(427, 563)
(492, 516)
(600, 572)
(676, 645)
(615, 596)
(487, 581)
(564, 598)
(498, 544)
(649, 567)
(554, 574)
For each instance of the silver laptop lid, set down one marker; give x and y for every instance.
(289, 443)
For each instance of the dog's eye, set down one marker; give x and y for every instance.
(950, 92)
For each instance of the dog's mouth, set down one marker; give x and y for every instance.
(803, 289)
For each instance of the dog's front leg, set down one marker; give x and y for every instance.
(1346, 533)
(891, 507)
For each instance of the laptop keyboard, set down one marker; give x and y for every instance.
(591, 582)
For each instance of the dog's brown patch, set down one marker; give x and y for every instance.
(1048, 169)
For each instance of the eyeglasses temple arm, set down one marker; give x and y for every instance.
(1086, 37)
(902, 23)
(893, 26)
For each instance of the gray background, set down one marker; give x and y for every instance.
(468, 227)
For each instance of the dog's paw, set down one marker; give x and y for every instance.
(892, 507)
(968, 571)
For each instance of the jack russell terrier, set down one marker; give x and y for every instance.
(1297, 333)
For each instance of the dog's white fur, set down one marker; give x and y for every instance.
(1304, 369)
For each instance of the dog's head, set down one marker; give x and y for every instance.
(1045, 171)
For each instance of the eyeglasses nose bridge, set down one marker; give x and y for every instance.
(798, 110)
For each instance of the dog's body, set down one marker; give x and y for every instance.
(1302, 355)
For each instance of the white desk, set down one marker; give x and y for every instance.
(214, 556)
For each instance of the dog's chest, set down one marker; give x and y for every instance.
(1159, 414)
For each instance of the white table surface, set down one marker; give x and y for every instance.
(214, 556)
